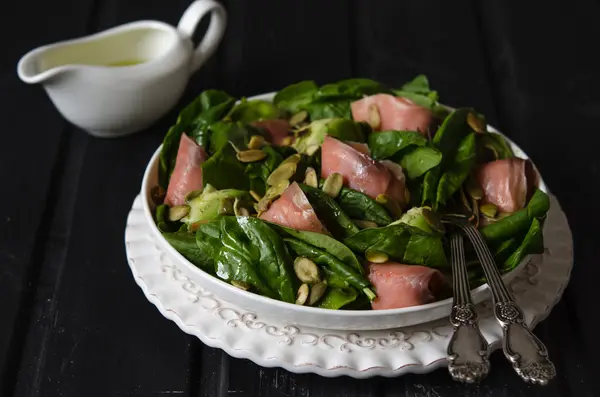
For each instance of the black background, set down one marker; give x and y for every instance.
(72, 320)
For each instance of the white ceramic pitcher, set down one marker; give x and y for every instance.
(123, 79)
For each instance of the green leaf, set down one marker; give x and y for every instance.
(350, 89)
(185, 244)
(418, 91)
(163, 224)
(249, 111)
(237, 258)
(238, 134)
(360, 206)
(336, 298)
(215, 105)
(533, 243)
(451, 133)
(492, 146)
(402, 243)
(385, 144)
(420, 160)
(344, 130)
(419, 85)
(324, 258)
(329, 110)
(293, 98)
(430, 183)
(458, 171)
(505, 249)
(330, 213)
(518, 221)
(224, 171)
(274, 261)
(186, 122)
(325, 243)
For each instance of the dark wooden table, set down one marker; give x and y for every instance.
(74, 323)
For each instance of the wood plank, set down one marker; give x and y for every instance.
(548, 94)
(31, 123)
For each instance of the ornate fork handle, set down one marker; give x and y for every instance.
(526, 352)
(468, 354)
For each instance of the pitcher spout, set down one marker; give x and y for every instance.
(34, 67)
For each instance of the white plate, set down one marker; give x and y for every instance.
(305, 315)
(271, 342)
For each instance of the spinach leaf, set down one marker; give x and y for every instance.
(336, 298)
(401, 242)
(259, 171)
(385, 144)
(420, 160)
(492, 146)
(325, 243)
(509, 226)
(249, 111)
(418, 91)
(185, 244)
(505, 249)
(207, 108)
(295, 97)
(324, 258)
(451, 133)
(237, 259)
(208, 240)
(350, 89)
(274, 261)
(238, 134)
(360, 206)
(328, 110)
(430, 183)
(223, 170)
(344, 130)
(215, 105)
(533, 243)
(458, 171)
(328, 210)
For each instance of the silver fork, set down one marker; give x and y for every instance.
(528, 355)
(468, 355)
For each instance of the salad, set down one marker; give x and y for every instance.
(330, 196)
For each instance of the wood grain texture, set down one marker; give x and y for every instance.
(74, 321)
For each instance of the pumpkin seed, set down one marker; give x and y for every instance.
(302, 294)
(298, 118)
(282, 173)
(374, 117)
(177, 212)
(270, 195)
(317, 292)
(376, 256)
(473, 189)
(390, 204)
(311, 149)
(255, 195)
(476, 123)
(226, 207)
(489, 210)
(310, 177)
(287, 141)
(238, 210)
(158, 194)
(240, 284)
(364, 224)
(251, 155)
(256, 142)
(306, 270)
(333, 184)
(294, 159)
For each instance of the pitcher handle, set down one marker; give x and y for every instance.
(209, 43)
